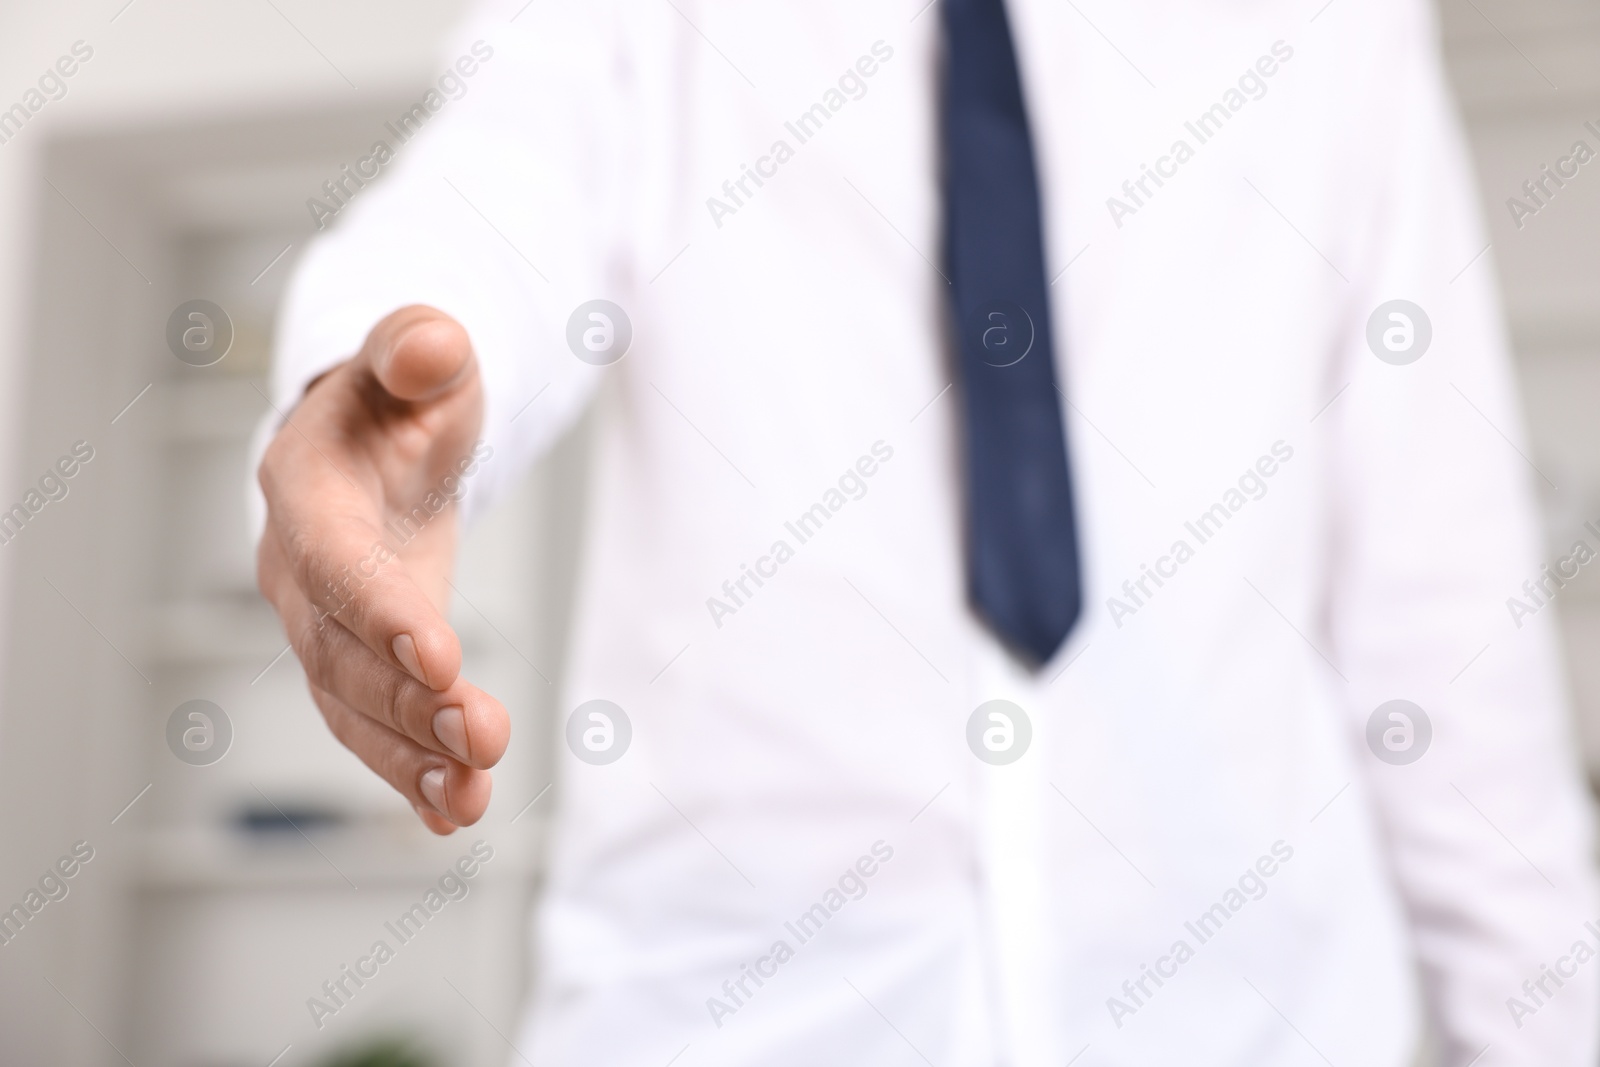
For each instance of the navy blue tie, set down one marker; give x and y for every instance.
(1022, 543)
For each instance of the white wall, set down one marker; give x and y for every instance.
(1528, 74)
(164, 60)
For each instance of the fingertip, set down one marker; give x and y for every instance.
(430, 654)
(490, 731)
(476, 730)
(435, 822)
(424, 357)
(468, 790)
(432, 787)
(459, 794)
(405, 650)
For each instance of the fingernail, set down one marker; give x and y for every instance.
(432, 786)
(405, 650)
(450, 727)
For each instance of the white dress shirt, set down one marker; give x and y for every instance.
(1198, 859)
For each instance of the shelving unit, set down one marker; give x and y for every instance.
(1549, 269)
(209, 916)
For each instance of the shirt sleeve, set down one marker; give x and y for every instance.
(1488, 832)
(500, 210)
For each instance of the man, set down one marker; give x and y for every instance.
(1221, 261)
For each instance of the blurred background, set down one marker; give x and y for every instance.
(223, 892)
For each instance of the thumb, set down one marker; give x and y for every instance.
(417, 353)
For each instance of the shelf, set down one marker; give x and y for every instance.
(372, 852)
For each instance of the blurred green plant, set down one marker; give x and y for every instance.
(382, 1052)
